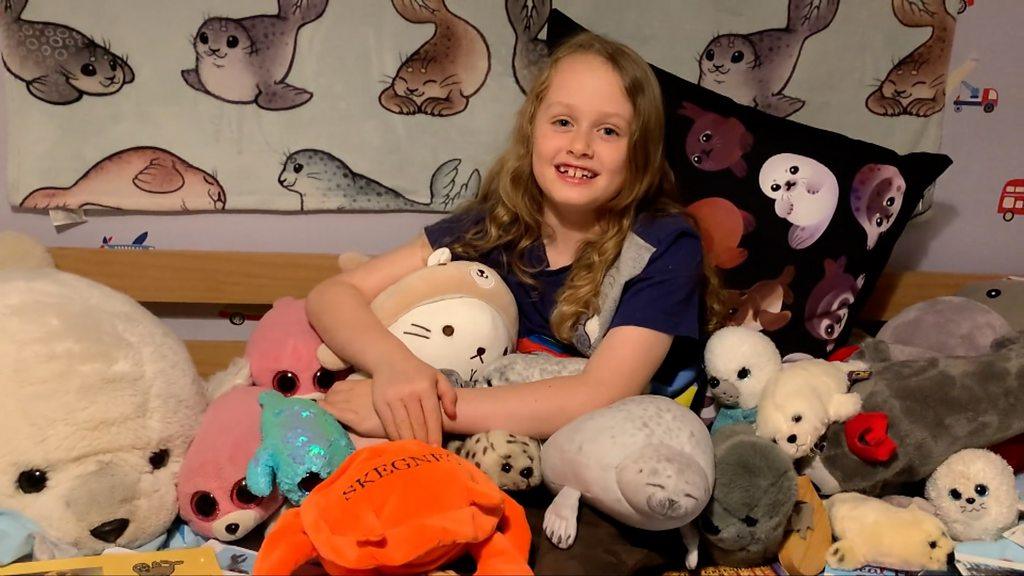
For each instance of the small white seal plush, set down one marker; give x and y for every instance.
(647, 461)
(974, 494)
(739, 361)
(801, 400)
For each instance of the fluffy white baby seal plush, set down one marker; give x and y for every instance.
(974, 495)
(739, 361)
(801, 400)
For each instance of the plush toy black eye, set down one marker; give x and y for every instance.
(955, 494)
(32, 481)
(743, 374)
(750, 521)
(879, 221)
(933, 544)
(797, 418)
(713, 382)
(993, 293)
(310, 481)
(286, 382)
(242, 496)
(776, 187)
(324, 379)
(88, 69)
(981, 489)
(794, 169)
(448, 330)
(526, 473)
(830, 330)
(297, 167)
(159, 458)
(232, 41)
(204, 505)
(890, 201)
(506, 468)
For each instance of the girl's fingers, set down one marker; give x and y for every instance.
(432, 412)
(402, 422)
(387, 418)
(446, 392)
(419, 425)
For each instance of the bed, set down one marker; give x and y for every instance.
(208, 283)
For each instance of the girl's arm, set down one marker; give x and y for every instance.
(406, 398)
(622, 366)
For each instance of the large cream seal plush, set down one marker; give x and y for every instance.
(100, 401)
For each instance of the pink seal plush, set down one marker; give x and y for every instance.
(212, 495)
(281, 352)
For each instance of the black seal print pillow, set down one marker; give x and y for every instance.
(800, 221)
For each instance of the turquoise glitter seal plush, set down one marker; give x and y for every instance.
(301, 446)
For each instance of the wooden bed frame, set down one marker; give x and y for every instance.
(203, 283)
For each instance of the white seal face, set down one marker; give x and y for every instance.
(974, 494)
(663, 484)
(461, 334)
(805, 193)
(737, 379)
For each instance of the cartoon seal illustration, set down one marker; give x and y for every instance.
(57, 63)
(647, 461)
(805, 193)
(530, 53)
(916, 85)
(325, 182)
(754, 69)
(716, 142)
(141, 178)
(876, 198)
(722, 226)
(248, 59)
(442, 75)
(828, 305)
(760, 307)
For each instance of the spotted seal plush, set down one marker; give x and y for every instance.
(647, 461)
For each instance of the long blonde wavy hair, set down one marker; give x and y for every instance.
(512, 201)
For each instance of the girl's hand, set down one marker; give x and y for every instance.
(406, 401)
(351, 402)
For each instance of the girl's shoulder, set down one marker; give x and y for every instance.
(662, 230)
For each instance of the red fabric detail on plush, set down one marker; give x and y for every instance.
(843, 354)
(867, 437)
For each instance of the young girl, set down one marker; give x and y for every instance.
(584, 169)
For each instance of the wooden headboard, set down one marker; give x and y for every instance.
(207, 282)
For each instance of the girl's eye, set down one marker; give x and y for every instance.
(562, 123)
(609, 132)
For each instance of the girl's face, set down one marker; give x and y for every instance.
(581, 135)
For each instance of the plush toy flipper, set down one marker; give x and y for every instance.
(844, 406)
(286, 547)
(691, 539)
(560, 518)
(260, 475)
(845, 557)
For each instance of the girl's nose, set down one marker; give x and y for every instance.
(579, 146)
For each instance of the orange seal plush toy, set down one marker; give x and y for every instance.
(400, 507)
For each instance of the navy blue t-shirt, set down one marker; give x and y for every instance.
(665, 296)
